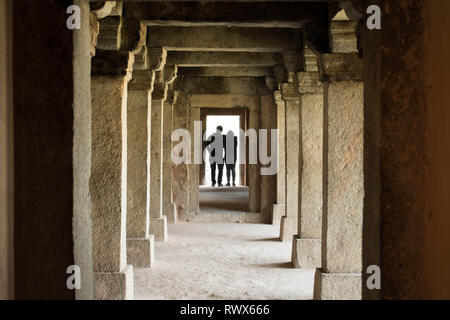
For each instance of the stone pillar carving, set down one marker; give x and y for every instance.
(158, 223)
(289, 93)
(179, 171)
(340, 275)
(254, 175)
(306, 249)
(279, 209)
(193, 169)
(140, 245)
(111, 71)
(167, 204)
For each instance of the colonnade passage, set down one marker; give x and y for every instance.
(177, 73)
(341, 189)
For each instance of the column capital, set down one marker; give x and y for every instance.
(343, 36)
(341, 67)
(113, 63)
(310, 60)
(142, 80)
(289, 91)
(309, 82)
(110, 33)
(157, 58)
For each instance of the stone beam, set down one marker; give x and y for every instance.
(285, 15)
(227, 72)
(221, 85)
(224, 39)
(223, 59)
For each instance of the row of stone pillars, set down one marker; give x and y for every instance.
(320, 178)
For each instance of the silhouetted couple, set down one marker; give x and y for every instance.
(222, 149)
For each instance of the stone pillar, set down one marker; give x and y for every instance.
(194, 169)
(168, 206)
(268, 181)
(341, 274)
(306, 249)
(254, 176)
(158, 221)
(288, 227)
(179, 171)
(289, 93)
(279, 209)
(140, 245)
(113, 278)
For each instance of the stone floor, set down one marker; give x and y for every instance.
(223, 261)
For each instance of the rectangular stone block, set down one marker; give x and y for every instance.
(306, 253)
(278, 211)
(288, 228)
(141, 252)
(170, 211)
(114, 286)
(158, 228)
(337, 286)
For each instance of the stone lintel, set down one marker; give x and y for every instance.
(343, 36)
(223, 59)
(309, 82)
(112, 63)
(341, 67)
(227, 71)
(142, 80)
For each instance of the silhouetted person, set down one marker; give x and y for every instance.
(231, 156)
(214, 145)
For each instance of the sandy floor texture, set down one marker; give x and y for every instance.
(223, 261)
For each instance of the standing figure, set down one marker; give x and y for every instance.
(214, 145)
(231, 156)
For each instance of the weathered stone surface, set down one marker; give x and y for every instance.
(343, 36)
(310, 221)
(337, 286)
(310, 60)
(109, 33)
(306, 253)
(138, 219)
(227, 71)
(254, 177)
(341, 67)
(223, 59)
(229, 85)
(309, 82)
(179, 172)
(168, 207)
(193, 169)
(224, 39)
(278, 211)
(293, 163)
(281, 172)
(268, 182)
(158, 228)
(141, 252)
(114, 285)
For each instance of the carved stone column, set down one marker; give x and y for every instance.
(167, 204)
(306, 250)
(140, 245)
(194, 169)
(279, 209)
(179, 171)
(340, 275)
(111, 71)
(254, 175)
(289, 93)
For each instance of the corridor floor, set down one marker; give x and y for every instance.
(223, 261)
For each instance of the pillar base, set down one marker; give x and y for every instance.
(158, 228)
(306, 253)
(141, 252)
(337, 286)
(114, 285)
(170, 211)
(288, 228)
(278, 211)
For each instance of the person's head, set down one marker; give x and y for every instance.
(219, 129)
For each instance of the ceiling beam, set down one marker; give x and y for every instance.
(223, 59)
(224, 39)
(227, 71)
